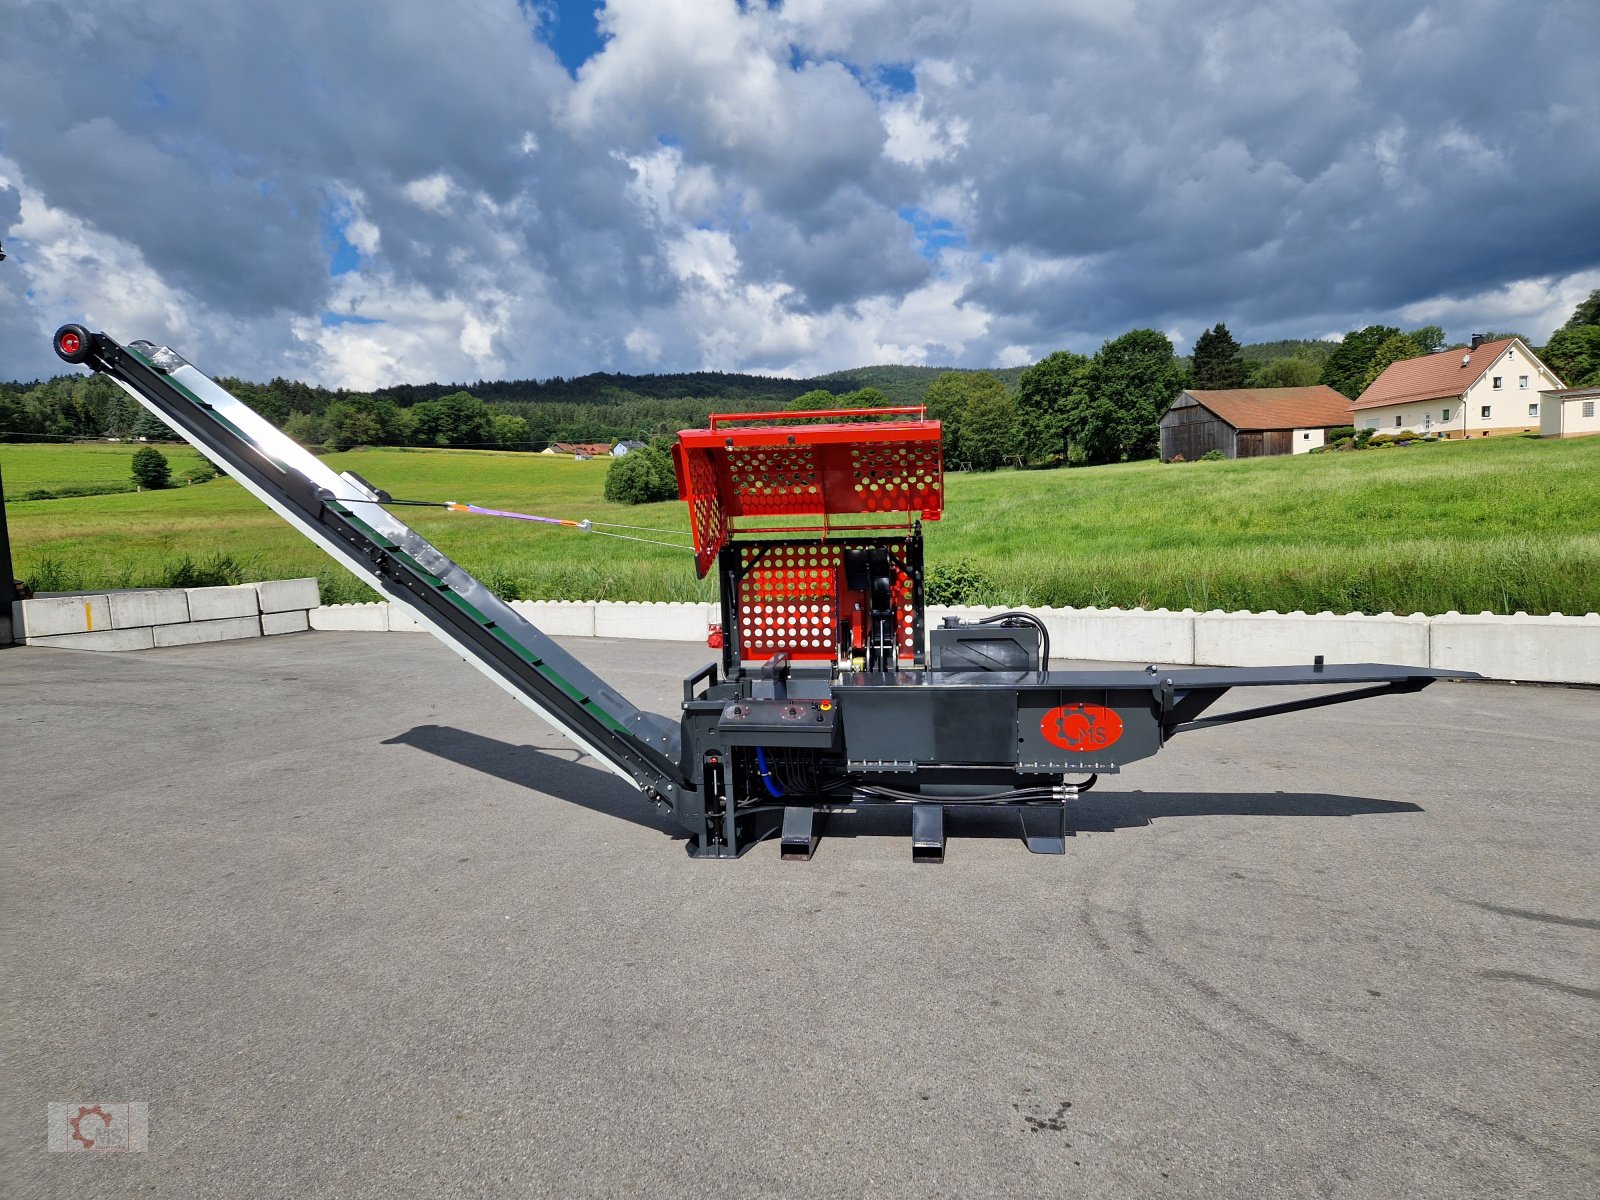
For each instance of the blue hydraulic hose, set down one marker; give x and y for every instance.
(761, 767)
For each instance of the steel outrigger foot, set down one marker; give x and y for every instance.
(1044, 828)
(799, 838)
(927, 833)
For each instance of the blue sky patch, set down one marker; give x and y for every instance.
(331, 319)
(342, 256)
(934, 234)
(570, 28)
(899, 78)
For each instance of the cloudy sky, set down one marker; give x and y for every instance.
(362, 194)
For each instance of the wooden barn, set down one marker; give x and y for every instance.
(1251, 422)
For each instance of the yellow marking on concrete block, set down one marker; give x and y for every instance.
(88, 615)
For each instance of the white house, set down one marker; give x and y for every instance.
(1488, 388)
(1569, 412)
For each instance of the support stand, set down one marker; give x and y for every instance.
(927, 833)
(1044, 828)
(799, 838)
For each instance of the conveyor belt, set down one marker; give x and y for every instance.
(337, 513)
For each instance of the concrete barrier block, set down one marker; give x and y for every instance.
(226, 629)
(284, 595)
(1121, 635)
(660, 622)
(50, 616)
(559, 618)
(131, 610)
(284, 622)
(401, 620)
(1291, 639)
(1536, 649)
(220, 603)
(142, 638)
(367, 618)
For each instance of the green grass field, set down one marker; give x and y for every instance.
(31, 467)
(1499, 524)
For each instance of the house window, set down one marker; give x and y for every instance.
(1305, 437)
(1522, 381)
(1499, 382)
(1483, 412)
(1444, 414)
(1588, 408)
(1372, 422)
(1533, 410)
(1397, 423)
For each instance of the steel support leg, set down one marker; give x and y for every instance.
(799, 838)
(1045, 828)
(927, 833)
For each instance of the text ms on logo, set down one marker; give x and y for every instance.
(1081, 728)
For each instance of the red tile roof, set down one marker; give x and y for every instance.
(592, 449)
(1438, 376)
(1318, 407)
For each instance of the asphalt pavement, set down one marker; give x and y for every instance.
(353, 923)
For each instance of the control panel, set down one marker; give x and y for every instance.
(783, 722)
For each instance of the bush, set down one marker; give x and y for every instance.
(956, 582)
(151, 469)
(1364, 436)
(201, 472)
(64, 491)
(1213, 456)
(641, 477)
(220, 570)
(1341, 431)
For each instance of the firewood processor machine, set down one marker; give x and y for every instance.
(831, 693)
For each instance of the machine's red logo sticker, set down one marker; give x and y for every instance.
(1081, 728)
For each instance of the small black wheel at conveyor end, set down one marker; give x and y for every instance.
(73, 343)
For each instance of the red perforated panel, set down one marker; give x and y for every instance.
(890, 472)
(788, 602)
(710, 522)
(897, 476)
(774, 479)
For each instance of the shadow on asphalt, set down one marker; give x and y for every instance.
(588, 785)
(1106, 812)
(594, 788)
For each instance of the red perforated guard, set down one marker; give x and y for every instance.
(890, 469)
(788, 602)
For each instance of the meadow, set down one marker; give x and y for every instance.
(86, 466)
(1501, 524)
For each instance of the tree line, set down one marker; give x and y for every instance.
(1066, 409)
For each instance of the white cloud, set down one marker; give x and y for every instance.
(77, 272)
(432, 192)
(643, 345)
(1534, 307)
(917, 141)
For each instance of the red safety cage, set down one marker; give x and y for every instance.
(750, 474)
